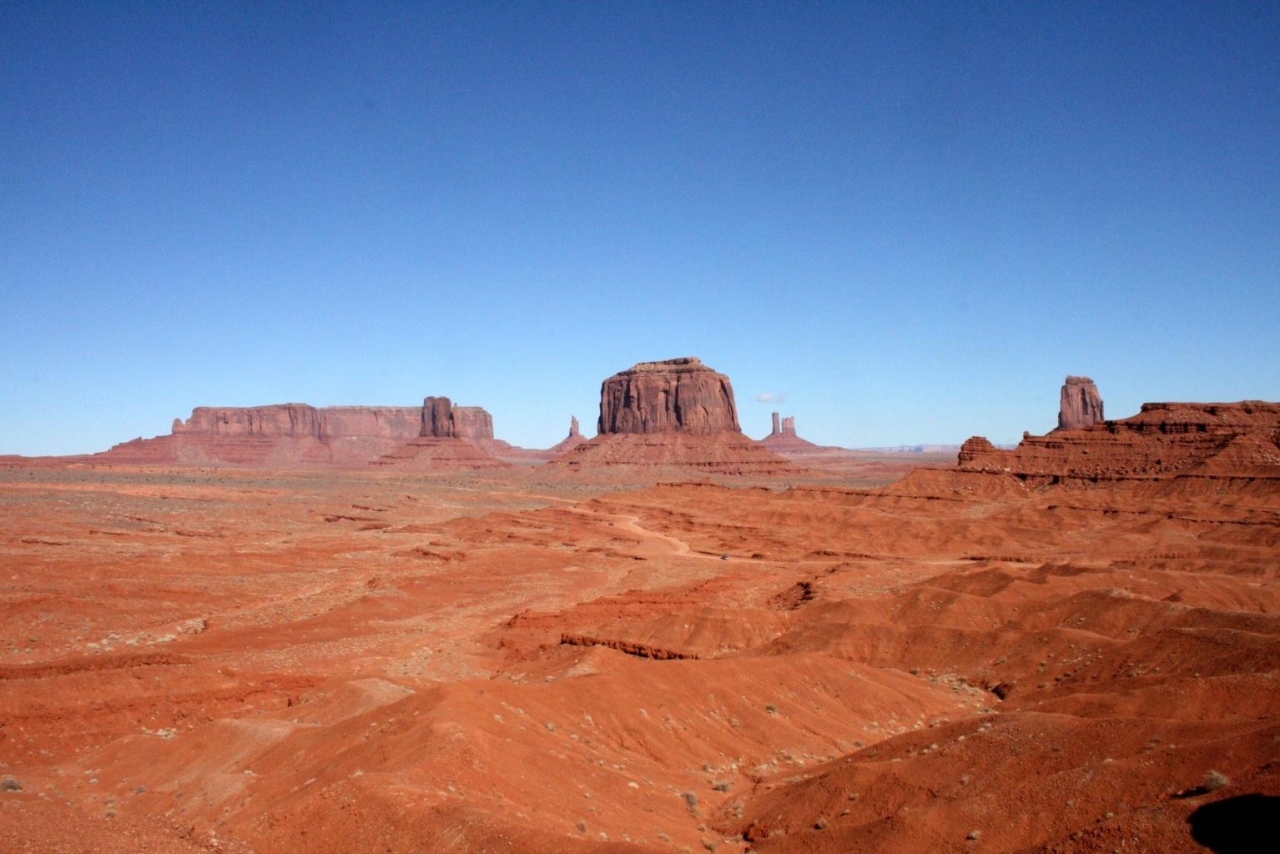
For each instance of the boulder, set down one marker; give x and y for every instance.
(672, 396)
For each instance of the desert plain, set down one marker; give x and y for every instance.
(1073, 646)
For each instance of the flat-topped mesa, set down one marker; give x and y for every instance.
(296, 434)
(676, 395)
(296, 420)
(1080, 404)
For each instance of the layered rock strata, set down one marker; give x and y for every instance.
(1163, 439)
(296, 434)
(676, 395)
(299, 419)
(677, 413)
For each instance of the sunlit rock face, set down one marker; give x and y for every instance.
(676, 395)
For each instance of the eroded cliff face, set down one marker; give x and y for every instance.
(1080, 404)
(1162, 439)
(672, 396)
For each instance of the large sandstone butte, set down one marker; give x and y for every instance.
(293, 434)
(681, 395)
(677, 413)
(1081, 404)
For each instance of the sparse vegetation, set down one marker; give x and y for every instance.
(10, 784)
(1215, 780)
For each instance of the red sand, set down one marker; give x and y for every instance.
(536, 660)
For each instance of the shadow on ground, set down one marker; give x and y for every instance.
(1241, 825)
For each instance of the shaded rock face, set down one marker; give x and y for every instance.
(573, 427)
(674, 396)
(1081, 405)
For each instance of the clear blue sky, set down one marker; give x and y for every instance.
(910, 221)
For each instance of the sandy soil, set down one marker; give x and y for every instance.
(526, 660)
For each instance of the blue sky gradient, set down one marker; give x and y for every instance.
(908, 221)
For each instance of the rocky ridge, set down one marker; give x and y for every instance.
(1162, 439)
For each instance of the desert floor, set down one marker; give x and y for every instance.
(246, 661)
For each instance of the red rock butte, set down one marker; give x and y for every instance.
(676, 395)
(677, 413)
(1081, 404)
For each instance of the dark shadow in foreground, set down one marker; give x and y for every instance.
(1241, 825)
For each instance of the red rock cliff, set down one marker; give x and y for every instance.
(1162, 439)
(300, 420)
(677, 395)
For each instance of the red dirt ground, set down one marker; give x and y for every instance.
(541, 660)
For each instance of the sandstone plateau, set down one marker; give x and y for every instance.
(1073, 646)
(293, 435)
